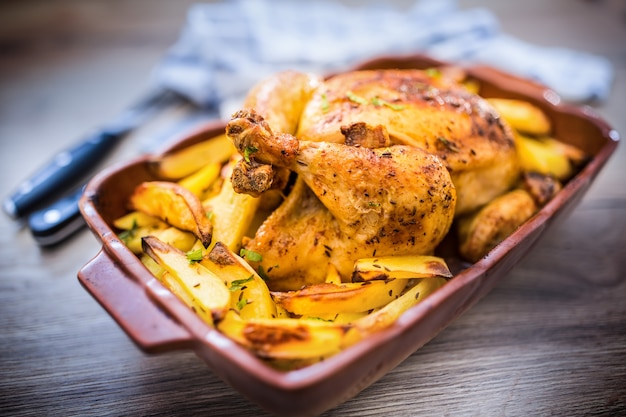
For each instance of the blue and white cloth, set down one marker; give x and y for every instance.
(226, 47)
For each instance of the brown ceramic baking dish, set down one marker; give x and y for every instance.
(157, 321)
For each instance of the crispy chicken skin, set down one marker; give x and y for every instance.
(423, 109)
(384, 159)
(350, 202)
(281, 98)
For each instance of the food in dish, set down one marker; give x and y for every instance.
(322, 222)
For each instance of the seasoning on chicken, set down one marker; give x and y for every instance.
(349, 202)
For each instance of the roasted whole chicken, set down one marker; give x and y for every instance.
(383, 161)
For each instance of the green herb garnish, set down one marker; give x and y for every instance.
(239, 284)
(194, 255)
(127, 235)
(249, 151)
(250, 255)
(242, 303)
(377, 101)
(325, 105)
(433, 72)
(448, 144)
(355, 99)
(263, 274)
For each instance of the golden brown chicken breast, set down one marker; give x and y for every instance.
(423, 109)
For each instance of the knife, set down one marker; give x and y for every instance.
(70, 165)
(57, 222)
(60, 220)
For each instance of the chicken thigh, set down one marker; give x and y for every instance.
(349, 202)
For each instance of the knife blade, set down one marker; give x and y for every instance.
(72, 164)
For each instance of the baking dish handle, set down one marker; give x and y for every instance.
(131, 307)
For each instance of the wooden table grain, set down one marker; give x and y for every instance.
(550, 339)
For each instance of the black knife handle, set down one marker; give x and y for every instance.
(63, 171)
(57, 222)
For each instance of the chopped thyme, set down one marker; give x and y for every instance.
(194, 255)
(250, 255)
(240, 284)
(325, 105)
(448, 144)
(377, 101)
(433, 72)
(127, 235)
(373, 204)
(263, 274)
(249, 151)
(242, 303)
(354, 98)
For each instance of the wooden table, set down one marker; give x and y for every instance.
(550, 339)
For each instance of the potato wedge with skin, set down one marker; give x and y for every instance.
(538, 155)
(482, 231)
(249, 293)
(575, 155)
(388, 314)
(175, 237)
(201, 180)
(135, 220)
(400, 267)
(322, 300)
(132, 237)
(522, 116)
(152, 266)
(232, 214)
(205, 292)
(288, 338)
(541, 187)
(175, 205)
(182, 163)
(179, 291)
(339, 318)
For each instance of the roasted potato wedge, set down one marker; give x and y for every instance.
(232, 214)
(541, 187)
(548, 156)
(401, 267)
(132, 236)
(180, 164)
(175, 205)
(201, 180)
(522, 116)
(203, 291)
(327, 299)
(388, 314)
(482, 231)
(137, 219)
(250, 295)
(339, 318)
(180, 239)
(288, 338)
